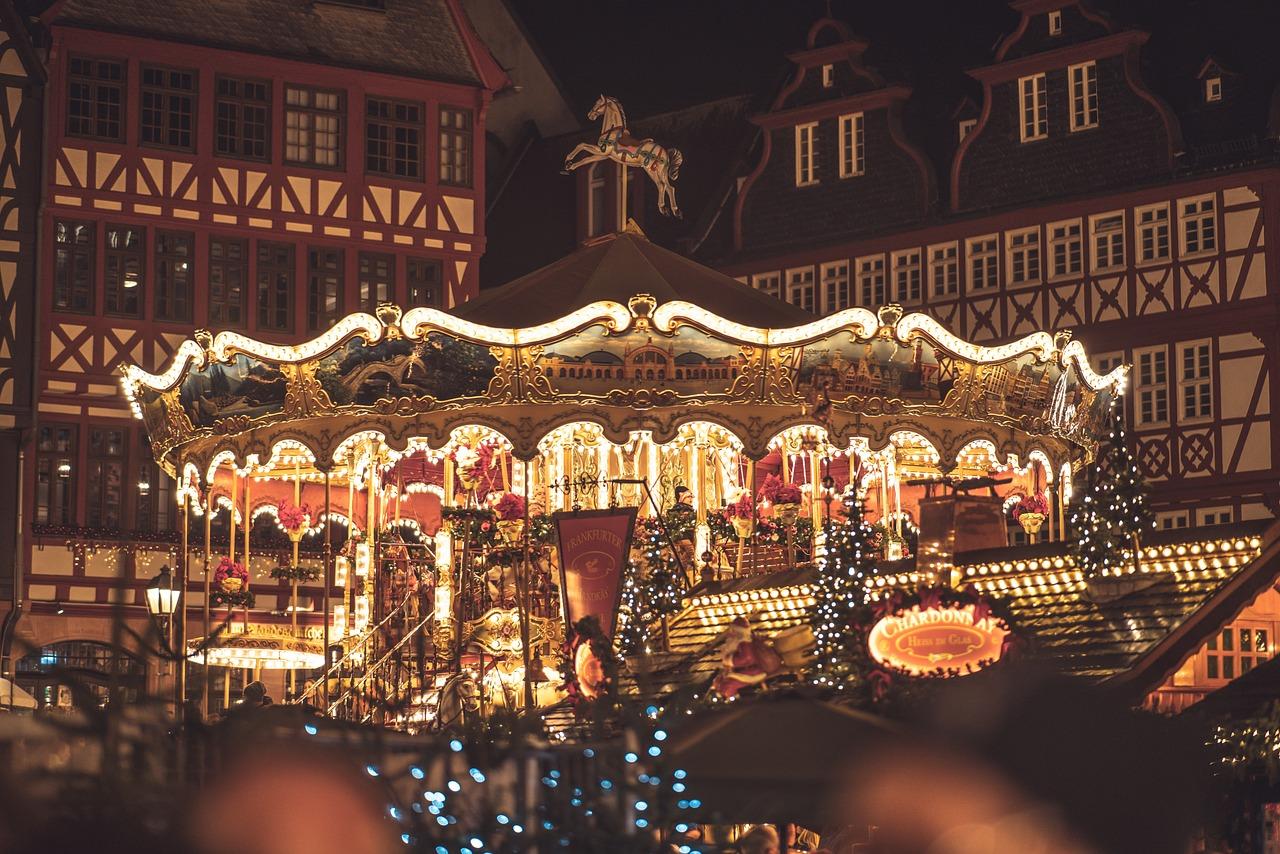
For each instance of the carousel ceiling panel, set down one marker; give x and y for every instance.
(644, 366)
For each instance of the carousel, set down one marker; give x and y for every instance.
(418, 463)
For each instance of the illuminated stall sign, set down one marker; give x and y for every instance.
(594, 545)
(925, 641)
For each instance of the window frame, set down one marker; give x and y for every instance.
(394, 124)
(965, 127)
(774, 289)
(241, 103)
(1055, 22)
(1212, 89)
(97, 462)
(852, 141)
(1200, 384)
(866, 285)
(340, 113)
(902, 268)
(87, 254)
(163, 260)
(466, 136)
(1057, 242)
(989, 258)
(94, 84)
(950, 278)
(55, 458)
(264, 290)
(831, 283)
(1033, 251)
(1037, 108)
(333, 273)
(808, 290)
(223, 263)
(410, 265)
(139, 255)
(1200, 216)
(1095, 264)
(1159, 388)
(828, 75)
(167, 92)
(366, 261)
(1153, 226)
(1082, 80)
(807, 141)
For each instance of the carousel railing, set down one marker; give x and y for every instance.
(362, 649)
(388, 684)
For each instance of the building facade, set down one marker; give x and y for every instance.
(268, 175)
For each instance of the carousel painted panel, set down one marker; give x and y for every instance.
(241, 387)
(844, 367)
(641, 365)
(439, 366)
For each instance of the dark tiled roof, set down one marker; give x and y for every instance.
(413, 38)
(617, 268)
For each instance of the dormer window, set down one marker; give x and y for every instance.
(806, 166)
(967, 125)
(1213, 89)
(828, 76)
(1055, 22)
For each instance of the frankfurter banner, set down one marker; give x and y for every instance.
(594, 548)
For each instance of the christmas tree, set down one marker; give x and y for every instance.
(1109, 519)
(650, 592)
(838, 592)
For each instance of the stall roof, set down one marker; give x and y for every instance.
(617, 267)
(1132, 634)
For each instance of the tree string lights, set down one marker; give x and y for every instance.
(1111, 516)
(649, 592)
(839, 590)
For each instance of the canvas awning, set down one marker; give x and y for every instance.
(14, 697)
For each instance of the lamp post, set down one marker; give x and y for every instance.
(162, 603)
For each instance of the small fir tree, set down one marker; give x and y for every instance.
(838, 591)
(1110, 517)
(648, 594)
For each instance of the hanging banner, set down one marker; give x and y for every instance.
(594, 547)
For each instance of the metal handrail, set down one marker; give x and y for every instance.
(369, 672)
(336, 667)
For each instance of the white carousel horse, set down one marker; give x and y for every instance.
(459, 699)
(662, 165)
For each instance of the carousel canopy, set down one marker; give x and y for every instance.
(615, 268)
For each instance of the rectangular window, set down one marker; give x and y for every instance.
(377, 279)
(835, 286)
(393, 136)
(852, 149)
(105, 484)
(1195, 381)
(806, 165)
(324, 288)
(122, 271)
(984, 263)
(1171, 520)
(425, 280)
(871, 290)
(168, 107)
(1055, 22)
(1151, 386)
(800, 288)
(313, 126)
(174, 251)
(906, 276)
(276, 272)
(769, 283)
(828, 76)
(1237, 649)
(1199, 225)
(1034, 107)
(1084, 96)
(55, 474)
(1213, 89)
(155, 507)
(1065, 249)
(95, 98)
(1024, 256)
(1105, 363)
(73, 266)
(228, 275)
(965, 126)
(1107, 232)
(1153, 233)
(242, 118)
(944, 270)
(455, 147)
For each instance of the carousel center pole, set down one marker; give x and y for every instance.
(181, 614)
(293, 592)
(522, 587)
(327, 560)
(208, 556)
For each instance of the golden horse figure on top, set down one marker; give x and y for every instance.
(661, 164)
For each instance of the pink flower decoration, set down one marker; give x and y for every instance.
(510, 506)
(292, 516)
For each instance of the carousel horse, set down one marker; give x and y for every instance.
(662, 165)
(459, 700)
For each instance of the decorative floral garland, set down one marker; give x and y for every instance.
(232, 583)
(1036, 503)
(587, 652)
(293, 517)
(296, 573)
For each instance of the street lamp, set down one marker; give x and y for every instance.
(162, 598)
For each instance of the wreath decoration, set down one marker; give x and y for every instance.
(302, 574)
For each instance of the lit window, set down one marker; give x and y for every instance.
(1024, 256)
(984, 263)
(1151, 386)
(800, 288)
(1084, 96)
(55, 474)
(944, 269)
(1237, 649)
(455, 147)
(1213, 89)
(851, 146)
(313, 126)
(1199, 225)
(906, 276)
(967, 125)
(1034, 107)
(1055, 22)
(1171, 520)
(1108, 241)
(1065, 248)
(1153, 233)
(835, 286)
(828, 76)
(806, 167)
(769, 283)
(1195, 381)
(871, 281)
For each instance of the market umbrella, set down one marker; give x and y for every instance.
(14, 697)
(773, 760)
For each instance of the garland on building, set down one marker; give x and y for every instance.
(1109, 518)
(838, 592)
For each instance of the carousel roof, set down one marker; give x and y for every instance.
(617, 267)
(1132, 634)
